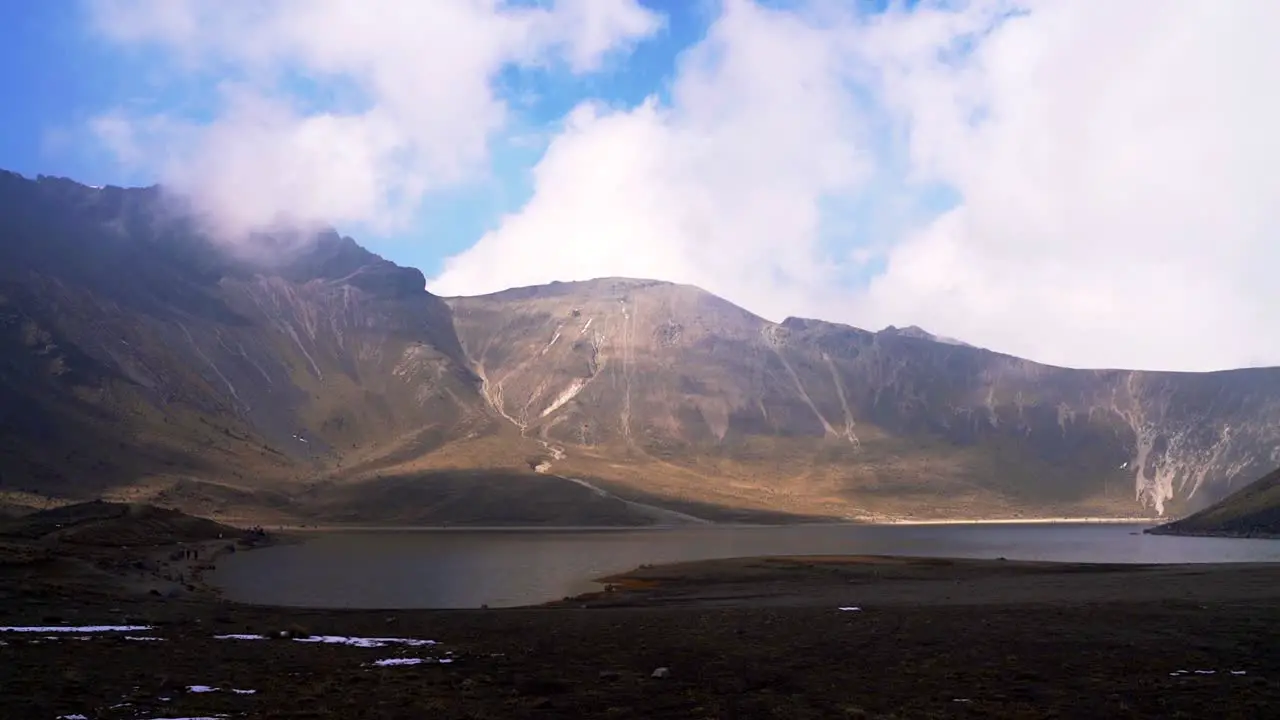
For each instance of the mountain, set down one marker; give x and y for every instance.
(688, 387)
(1252, 511)
(297, 376)
(137, 355)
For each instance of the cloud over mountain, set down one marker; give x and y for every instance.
(1081, 183)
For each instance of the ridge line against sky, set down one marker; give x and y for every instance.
(1084, 184)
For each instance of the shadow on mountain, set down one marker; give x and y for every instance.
(503, 498)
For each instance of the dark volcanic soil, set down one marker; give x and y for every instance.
(740, 639)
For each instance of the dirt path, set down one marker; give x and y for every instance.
(659, 515)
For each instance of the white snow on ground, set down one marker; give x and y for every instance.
(76, 628)
(364, 642)
(1184, 673)
(851, 608)
(209, 689)
(72, 717)
(389, 662)
(341, 640)
(143, 638)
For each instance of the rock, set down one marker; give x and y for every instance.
(661, 673)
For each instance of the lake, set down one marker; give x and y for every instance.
(467, 568)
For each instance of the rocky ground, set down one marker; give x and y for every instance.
(726, 639)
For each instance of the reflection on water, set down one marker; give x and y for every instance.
(468, 568)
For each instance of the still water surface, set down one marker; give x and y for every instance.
(467, 568)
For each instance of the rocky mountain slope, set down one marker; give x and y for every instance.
(300, 376)
(1253, 511)
(133, 349)
(874, 421)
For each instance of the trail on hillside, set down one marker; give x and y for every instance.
(671, 517)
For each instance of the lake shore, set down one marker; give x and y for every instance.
(744, 637)
(337, 527)
(1099, 520)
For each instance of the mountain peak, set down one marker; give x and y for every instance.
(594, 287)
(919, 333)
(333, 257)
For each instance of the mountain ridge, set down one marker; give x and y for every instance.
(141, 358)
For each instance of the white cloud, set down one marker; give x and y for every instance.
(1115, 164)
(1120, 195)
(415, 108)
(721, 188)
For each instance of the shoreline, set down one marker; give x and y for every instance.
(1225, 534)
(1106, 520)
(1103, 520)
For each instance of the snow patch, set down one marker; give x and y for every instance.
(1184, 673)
(851, 608)
(365, 642)
(211, 689)
(74, 628)
(390, 662)
(339, 640)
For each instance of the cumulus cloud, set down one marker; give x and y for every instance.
(1107, 168)
(719, 188)
(410, 89)
(1113, 162)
